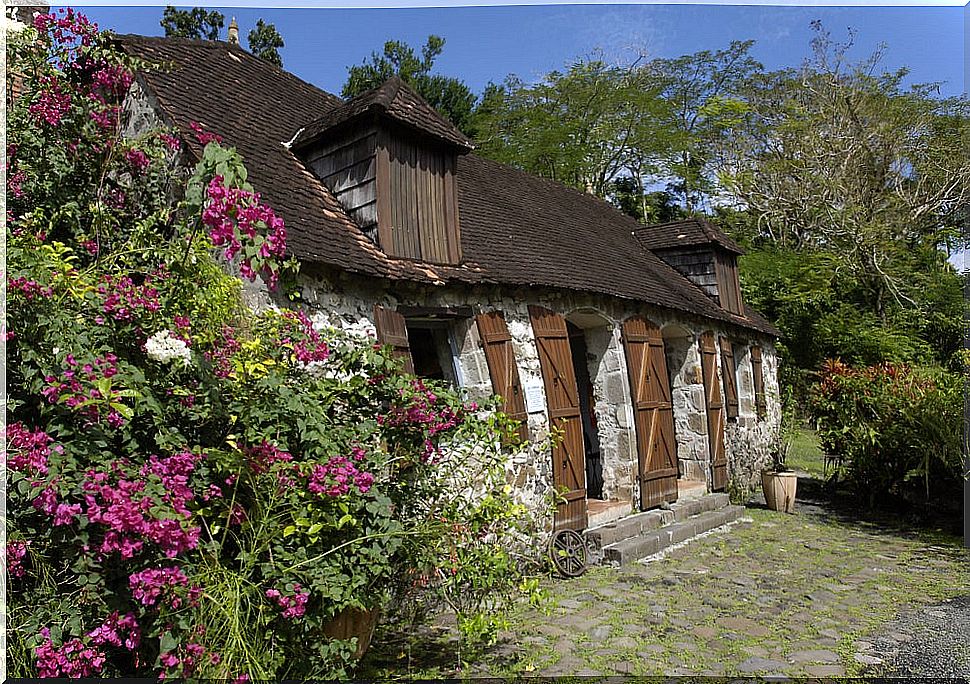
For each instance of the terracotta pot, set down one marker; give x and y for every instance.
(779, 489)
(352, 622)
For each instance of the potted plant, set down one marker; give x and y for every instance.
(779, 482)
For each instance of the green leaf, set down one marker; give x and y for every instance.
(125, 411)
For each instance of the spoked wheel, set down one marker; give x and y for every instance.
(568, 553)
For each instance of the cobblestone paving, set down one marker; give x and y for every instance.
(795, 595)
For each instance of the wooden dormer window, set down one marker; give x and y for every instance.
(702, 253)
(417, 202)
(728, 284)
(390, 160)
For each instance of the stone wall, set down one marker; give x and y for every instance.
(346, 301)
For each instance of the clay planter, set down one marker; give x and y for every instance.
(779, 489)
(350, 623)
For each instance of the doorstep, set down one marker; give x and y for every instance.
(600, 512)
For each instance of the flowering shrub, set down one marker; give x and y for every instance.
(890, 422)
(195, 490)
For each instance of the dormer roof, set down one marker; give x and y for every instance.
(692, 232)
(395, 100)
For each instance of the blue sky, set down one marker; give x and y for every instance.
(486, 43)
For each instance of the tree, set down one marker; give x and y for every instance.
(450, 96)
(586, 127)
(703, 91)
(197, 23)
(841, 158)
(265, 42)
(657, 206)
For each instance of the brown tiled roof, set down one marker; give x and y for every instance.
(516, 229)
(396, 100)
(686, 233)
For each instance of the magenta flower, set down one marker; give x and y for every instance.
(73, 659)
(293, 606)
(52, 104)
(16, 550)
(138, 160)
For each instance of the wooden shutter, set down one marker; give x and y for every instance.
(728, 284)
(502, 367)
(729, 371)
(715, 413)
(392, 331)
(653, 411)
(757, 368)
(562, 400)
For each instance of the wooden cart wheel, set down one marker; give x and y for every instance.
(568, 553)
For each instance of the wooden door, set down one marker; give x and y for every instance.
(715, 413)
(653, 411)
(392, 331)
(562, 400)
(502, 367)
(729, 371)
(757, 368)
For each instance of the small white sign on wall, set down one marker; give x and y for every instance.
(535, 400)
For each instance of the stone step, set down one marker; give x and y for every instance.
(637, 524)
(652, 542)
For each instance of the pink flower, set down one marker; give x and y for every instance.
(15, 183)
(52, 104)
(16, 550)
(131, 518)
(336, 477)
(264, 455)
(293, 606)
(28, 450)
(73, 659)
(117, 631)
(138, 160)
(202, 136)
(173, 142)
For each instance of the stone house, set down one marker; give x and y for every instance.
(631, 340)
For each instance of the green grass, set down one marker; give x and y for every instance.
(805, 453)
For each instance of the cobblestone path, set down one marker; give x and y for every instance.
(797, 595)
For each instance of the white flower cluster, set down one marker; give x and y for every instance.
(360, 328)
(330, 371)
(164, 347)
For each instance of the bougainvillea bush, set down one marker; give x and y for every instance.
(891, 423)
(195, 490)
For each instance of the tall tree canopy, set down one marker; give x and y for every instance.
(704, 96)
(198, 23)
(265, 42)
(587, 126)
(449, 96)
(839, 158)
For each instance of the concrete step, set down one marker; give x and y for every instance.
(630, 526)
(651, 542)
(638, 523)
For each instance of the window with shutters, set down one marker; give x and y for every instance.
(426, 346)
(434, 352)
(503, 369)
(729, 373)
(417, 205)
